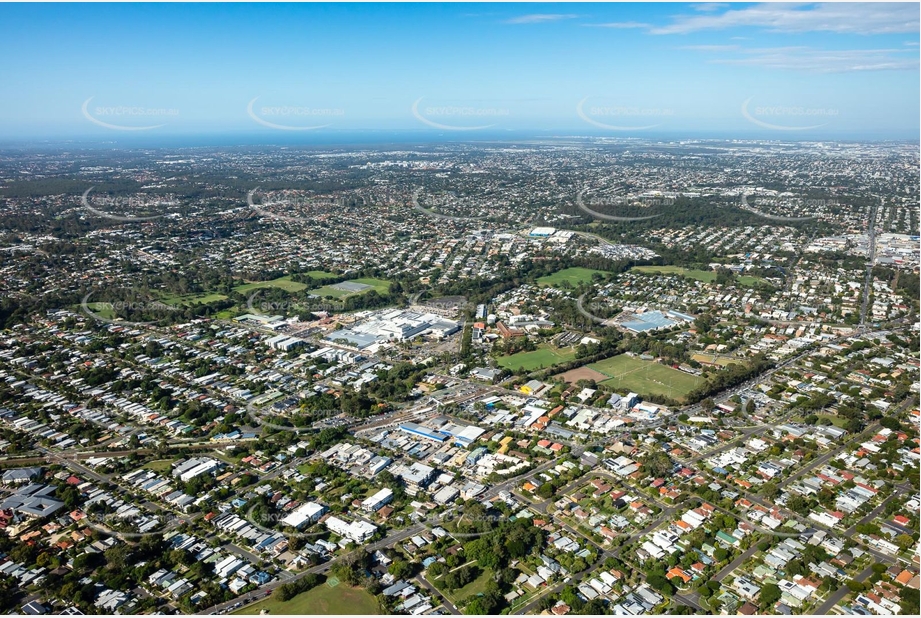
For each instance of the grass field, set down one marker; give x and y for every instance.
(707, 276)
(574, 276)
(751, 281)
(160, 465)
(284, 283)
(646, 377)
(380, 285)
(102, 309)
(473, 588)
(191, 299)
(321, 600)
(545, 356)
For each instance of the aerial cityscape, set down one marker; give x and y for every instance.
(537, 352)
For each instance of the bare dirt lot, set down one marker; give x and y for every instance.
(583, 373)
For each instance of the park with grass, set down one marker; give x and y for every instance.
(102, 309)
(282, 283)
(161, 466)
(192, 299)
(628, 373)
(320, 600)
(544, 357)
(573, 276)
(460, 595)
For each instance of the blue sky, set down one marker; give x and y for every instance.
(109, 71)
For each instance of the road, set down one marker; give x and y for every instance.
(732, 566)
(435, 592)
(871, 255)
(899, 489)
(260, 593)
(691, 599)
(835, 597)
(602, 556)
(243, 553)
(391, 539)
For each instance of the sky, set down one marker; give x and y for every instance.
(302, 72)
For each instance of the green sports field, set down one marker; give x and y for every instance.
(574, 276)
(285, 283)
(545, 356)
(191, 299)
(322, 600)
(627, 373)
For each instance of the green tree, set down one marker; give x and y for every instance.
(770, 594)
(400, 569)
(904, 542)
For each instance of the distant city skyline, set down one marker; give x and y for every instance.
(315, 73)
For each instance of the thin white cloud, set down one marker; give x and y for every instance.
(823, 61)
(621, 24)
(843, 18)
(711, 48)
(706, 7)
(540, 18)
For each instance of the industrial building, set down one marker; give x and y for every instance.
(416, 477)
(395, 325)
(188, 470)
(381, 498)
(284, 343)
(424, 432)
(33, 501)
(307, 513)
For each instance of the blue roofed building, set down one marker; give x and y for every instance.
(424, 432)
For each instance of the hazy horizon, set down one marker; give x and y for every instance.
(306, 73)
